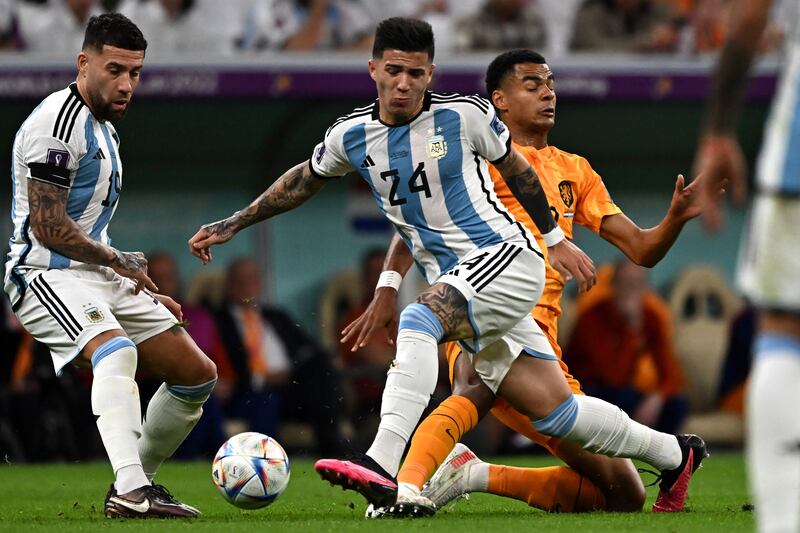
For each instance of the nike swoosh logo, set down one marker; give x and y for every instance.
(141, 507)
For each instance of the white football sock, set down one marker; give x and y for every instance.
(773, 436)
(604, 428)
(172, 413)
(409, 385)
(115, 402)
(407, 489)
(478, 477)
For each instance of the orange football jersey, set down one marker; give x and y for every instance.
(576, 193)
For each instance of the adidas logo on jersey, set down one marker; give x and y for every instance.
(368, 162)
(99, 154)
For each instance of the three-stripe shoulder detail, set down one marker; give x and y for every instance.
(67, 115)
(356, 113)
(477, 101)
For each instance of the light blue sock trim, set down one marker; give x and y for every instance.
(109, 347)
(539, 355)
(766, 343)
(560, 420)
(418, 317)
(192, 393)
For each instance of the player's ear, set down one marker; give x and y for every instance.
(499, 100)
(430, 74)
(372, 68)
(82, 63)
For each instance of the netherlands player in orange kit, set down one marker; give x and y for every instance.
(521, 87)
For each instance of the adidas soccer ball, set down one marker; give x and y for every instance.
(251, 470)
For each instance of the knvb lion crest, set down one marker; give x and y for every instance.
(93, 314)
(437, 147)
(565, 189)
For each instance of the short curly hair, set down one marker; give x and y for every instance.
(502, 65)
(113, 29)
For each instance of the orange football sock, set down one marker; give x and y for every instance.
(554, 489)
(435, 438)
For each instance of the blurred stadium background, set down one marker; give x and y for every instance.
(235, 92)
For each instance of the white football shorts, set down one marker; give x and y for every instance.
(501, 285)
(65, 309)
(769, 261)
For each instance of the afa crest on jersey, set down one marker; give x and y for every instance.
(437, 147)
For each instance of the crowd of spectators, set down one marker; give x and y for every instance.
(215, 28)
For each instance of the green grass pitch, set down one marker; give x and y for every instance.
(65, 498)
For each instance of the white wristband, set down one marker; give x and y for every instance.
(555, 236)
(389, 278)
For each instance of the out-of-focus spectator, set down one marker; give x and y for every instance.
(56, 28)
(704, 29)
(9, 38)
(502, 24)
(174, 27)
(365, 369)
(308, 25)
(559, 19)
(208, 434)
(625, 26)
(280, 373)
(612, 339)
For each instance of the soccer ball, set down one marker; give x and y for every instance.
(250, 470)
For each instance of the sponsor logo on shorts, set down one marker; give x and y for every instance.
(93, 314)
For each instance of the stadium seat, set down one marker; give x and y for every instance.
(703, 306)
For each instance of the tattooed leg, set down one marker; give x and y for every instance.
(450, 307)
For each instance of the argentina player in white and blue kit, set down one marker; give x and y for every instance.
(425, 155)
(87, 301)
(769, 260)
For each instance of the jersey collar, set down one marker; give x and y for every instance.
(426, 106)
(74, 88)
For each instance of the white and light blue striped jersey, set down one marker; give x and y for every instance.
(63, 144)
(429, 176)
(778, 170)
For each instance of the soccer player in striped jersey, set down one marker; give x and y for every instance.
(522, 88)
(90, 303)
(425, 158)
(770, 257)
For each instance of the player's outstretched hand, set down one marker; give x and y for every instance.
(381, 313)
(571, 262)
(133, 265)
(719, 158)
(688, 200)
(215, 233)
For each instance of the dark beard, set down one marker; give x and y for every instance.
(103, 111)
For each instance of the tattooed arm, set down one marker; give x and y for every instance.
(564, 256)
(290, 190)
(526, 187)
(53, 228)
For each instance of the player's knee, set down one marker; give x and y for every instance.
(627, 493)
(207, 370)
